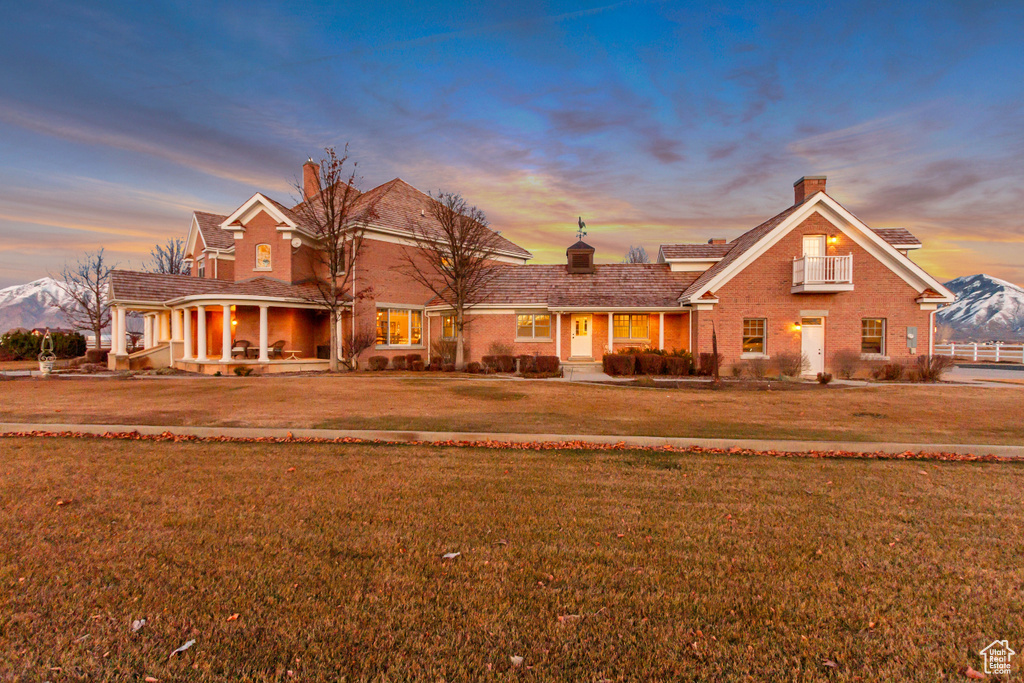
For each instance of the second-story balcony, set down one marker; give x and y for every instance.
(822, 274)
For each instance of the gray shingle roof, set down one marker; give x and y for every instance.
(709, 251)
(213, 235)
(127, 285)
(897, 236)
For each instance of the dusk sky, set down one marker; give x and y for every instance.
(657, 122)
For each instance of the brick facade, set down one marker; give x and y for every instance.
(762, 290)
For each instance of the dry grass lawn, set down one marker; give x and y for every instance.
(926, 413)
(590, 566)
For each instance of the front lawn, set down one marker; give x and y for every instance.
(913, 414)
(326, 562)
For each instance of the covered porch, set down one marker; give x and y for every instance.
(213, 335)
(584, 336)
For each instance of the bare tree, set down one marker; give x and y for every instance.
(454, 257)
(636, 255)
(168, 258)
(86, 285)
(332, 213)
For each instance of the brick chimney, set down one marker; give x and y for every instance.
(310, 178)
(807, 186)
(716, 240)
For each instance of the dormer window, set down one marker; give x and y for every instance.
(201, 267)
(262, 257)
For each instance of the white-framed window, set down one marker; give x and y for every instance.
(755, 335)
(872, 336)
(533, 326)
(201, 267)
(814, 245)
(262, 257)
(447, 327)
(631, 326)
(399, 327)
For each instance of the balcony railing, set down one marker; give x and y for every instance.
(823, 273)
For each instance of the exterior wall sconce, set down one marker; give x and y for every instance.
(796, 326)
(833, 239)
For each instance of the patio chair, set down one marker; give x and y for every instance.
(241, 347)
(277, 349)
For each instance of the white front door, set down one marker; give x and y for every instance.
(812, 344)
(582, 346)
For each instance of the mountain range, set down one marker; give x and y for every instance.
(987, 308)
(32, 305)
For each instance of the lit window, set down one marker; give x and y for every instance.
(399, 327)
(630, 325)
(753, 335)
(262, 257)
(872, 336)
(448, 327)
(533, 326)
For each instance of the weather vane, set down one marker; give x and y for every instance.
(582, 232)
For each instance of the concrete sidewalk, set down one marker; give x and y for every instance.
(399, 436)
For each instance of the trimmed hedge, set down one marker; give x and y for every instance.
(651, 363)
(413, 357)
(618, 364)
(548, 364)
(500, 363)
(448, 367)
(678, 365)
(416, 366)
(527, 363)
(398, 362)
(27, 346)
(378, 363)
(473, 367)
(706, 365)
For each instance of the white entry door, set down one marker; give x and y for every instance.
(582, 346)
(812, 344)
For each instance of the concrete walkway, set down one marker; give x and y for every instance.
(399, 436)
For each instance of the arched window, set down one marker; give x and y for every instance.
(262, 257)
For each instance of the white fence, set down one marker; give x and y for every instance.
(982, 353)
(822, 269)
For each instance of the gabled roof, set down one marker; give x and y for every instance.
(898, 237)
(209, 227)
(128, 285)
(738, 247)
(695, 251)
(737, 258)
(612, 285)
(404, 209)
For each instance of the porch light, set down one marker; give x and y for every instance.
(233, 322)
(796, 326)
(833, 239)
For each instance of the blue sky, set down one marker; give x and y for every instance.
(657, 122)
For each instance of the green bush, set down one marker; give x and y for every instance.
(27, 346)
(679, 365)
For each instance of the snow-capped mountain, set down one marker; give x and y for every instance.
(986, 309)
(31, 305)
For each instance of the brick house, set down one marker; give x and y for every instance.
(813, 279)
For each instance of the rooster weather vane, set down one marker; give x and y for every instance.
(582, 231)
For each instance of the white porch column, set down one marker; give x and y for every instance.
(661, 331)
(225, 335)
(176, 325)
(201, 333)
(147, 331)
(611, 330)
(558, 335)
(165, 326)
(186, 319)
(264, 335)
(113, 329)
(340, 330)
(119, 342)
